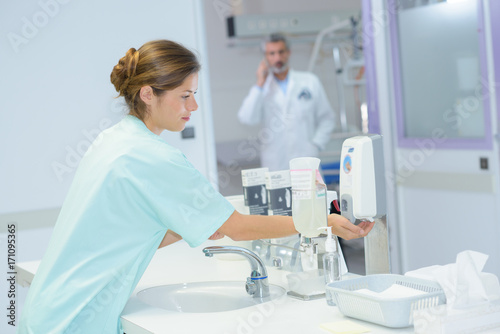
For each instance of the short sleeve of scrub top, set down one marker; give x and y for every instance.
(129, 189)
(180, 196)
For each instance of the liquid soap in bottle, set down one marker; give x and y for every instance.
(309, 207)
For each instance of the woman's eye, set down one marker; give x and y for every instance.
(185, 97)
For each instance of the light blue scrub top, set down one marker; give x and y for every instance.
(130, 187)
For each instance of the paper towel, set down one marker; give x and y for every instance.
(463, 282)
(395, 291)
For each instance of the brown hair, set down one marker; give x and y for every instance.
(161, 64)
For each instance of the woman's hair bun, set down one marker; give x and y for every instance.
(162, 65)
(124, 71)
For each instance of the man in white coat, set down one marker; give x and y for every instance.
(292, 106)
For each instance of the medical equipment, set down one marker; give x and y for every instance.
(298, 23)
(351, 72)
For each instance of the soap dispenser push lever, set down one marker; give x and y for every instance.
(257, 284)
(363, 196)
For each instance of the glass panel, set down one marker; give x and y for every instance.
(440, 70)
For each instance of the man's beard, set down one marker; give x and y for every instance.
(279, 70)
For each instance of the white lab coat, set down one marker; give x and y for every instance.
(297, 124)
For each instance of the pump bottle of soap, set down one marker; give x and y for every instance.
(331, 263)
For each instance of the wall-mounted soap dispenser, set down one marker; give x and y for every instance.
(362, 195)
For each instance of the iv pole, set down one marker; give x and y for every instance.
(349, 23)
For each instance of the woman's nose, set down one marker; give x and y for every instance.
(193, 105)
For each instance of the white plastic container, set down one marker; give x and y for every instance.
(389, 312)
(443, 319)
(307, 285)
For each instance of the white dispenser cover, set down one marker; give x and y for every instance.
(362, 185)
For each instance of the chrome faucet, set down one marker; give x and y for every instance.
(257, 284)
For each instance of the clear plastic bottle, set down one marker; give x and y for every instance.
(309, 207)
(331, 263)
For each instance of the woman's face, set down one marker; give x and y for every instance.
(172, 110)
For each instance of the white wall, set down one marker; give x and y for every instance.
(232, 69)
(55, 61)
(438, 203)
(57, 56)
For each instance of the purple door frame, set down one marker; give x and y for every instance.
(371, 75)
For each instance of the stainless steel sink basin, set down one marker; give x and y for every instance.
(202, 297)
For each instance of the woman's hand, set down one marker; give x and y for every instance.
(343, 228)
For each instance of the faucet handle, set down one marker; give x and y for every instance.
(277, 262)
(256, 275)
(250, 286)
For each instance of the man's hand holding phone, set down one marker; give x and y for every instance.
(262, 71)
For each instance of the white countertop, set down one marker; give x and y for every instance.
(178, 263)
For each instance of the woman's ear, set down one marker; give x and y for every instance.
(146, 94)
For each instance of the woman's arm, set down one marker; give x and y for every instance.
(251, 227)
(171, 237)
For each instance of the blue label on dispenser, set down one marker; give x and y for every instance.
(347, 164)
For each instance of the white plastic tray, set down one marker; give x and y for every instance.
(390, 312)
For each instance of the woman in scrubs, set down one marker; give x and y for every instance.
(133, 193)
